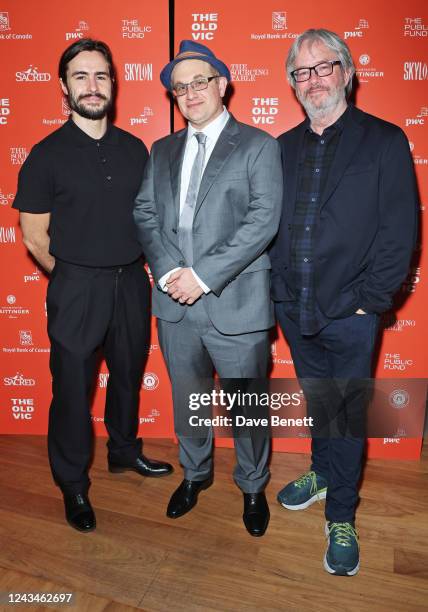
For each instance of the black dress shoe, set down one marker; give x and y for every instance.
(143, 466)
(79, 512)
(256, 513)
(185, 497)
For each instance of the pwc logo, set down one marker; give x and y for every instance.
(420, 118)
(358, 31)
(79, 32)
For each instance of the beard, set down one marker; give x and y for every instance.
(90, 112)
(322, 108)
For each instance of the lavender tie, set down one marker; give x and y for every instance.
(185, 237)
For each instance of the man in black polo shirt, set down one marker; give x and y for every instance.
(75, 194)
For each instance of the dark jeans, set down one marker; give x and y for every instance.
(340, 357)
(89, 308)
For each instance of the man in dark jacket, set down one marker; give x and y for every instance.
(346, 237)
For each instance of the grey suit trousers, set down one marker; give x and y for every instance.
(193, 348)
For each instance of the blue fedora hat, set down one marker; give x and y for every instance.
(193, 50)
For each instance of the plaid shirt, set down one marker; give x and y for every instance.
(315, 163)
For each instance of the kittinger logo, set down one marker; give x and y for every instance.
(399, 398)
(150, 381)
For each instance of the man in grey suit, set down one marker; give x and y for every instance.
(208, 207)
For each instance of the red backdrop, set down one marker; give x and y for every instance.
(32, 38)
(388, 40)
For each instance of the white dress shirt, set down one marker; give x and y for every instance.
(212, 132)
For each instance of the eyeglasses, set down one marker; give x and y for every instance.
(322, 69)
(197, 85)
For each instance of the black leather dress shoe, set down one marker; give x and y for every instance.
(79, 512)
(143, 466)
(256, 513)
(185, 497)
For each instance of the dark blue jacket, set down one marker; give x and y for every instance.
(366, 228)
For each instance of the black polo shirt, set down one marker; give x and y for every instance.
(89, 187)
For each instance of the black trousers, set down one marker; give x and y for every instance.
(89, 309)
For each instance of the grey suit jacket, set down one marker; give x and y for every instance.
(236, 216)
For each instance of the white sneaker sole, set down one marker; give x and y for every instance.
(344, 573)
(309, 502)
(332, 571)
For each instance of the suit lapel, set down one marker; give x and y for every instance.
(226, 143)
(176, 154)
(349, 142)
(291, 162)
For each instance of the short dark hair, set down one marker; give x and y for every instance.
(84, 44)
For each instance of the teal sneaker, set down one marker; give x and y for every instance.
(342, 556)
(301, 493)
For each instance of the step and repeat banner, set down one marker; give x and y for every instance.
(388, 41)
(33, 36)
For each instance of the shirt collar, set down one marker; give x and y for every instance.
(81, 139)
(213, 129)
(337, 126)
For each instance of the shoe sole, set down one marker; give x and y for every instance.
(120, 470)
(180, 514)
(256, 535)
(81, 530)
(342, 571)
(318, 497)
(339, 571)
